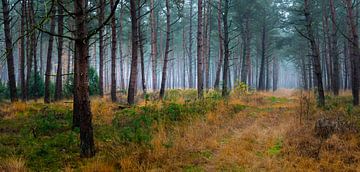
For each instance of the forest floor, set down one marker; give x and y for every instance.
(246, 132)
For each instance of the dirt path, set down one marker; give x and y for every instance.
(256, 144)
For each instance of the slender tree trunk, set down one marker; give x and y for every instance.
(200, 80)
(49, 57)
(354, 51)
(101, 48)
(134, 51)
(226, 48)
(167, 50)
(153, 44)
(28, 55)
(113, 55)
(221, 46)
(315, 54)
(261, 85)
(122, 81)
(246, 62)
(9, 51)
(33, 45)
(58, 87)
(22, 50)
(141, 47)
(334, 52)
(191, 75)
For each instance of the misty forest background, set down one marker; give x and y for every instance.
(69, 68)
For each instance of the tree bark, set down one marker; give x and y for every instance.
(221, 46)
(22, 50)
(49, 57)
(334, 52)
(101, 48)
(354, 51)
(9, 51)
(134, 51)
(315, 54)
(226, 40)
(191, 75)
(153, 44)
(58, 85)
(113, 55)
(141, 47)
(167, 50)
(200, 80)
(82, 87)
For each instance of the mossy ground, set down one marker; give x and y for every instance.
(251, 132)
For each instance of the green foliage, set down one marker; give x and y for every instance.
(276, 149)
(241, 89)
(173, 111)
(37, 89)
(278, 99)
(236, 108)
(94, 88)
(4, 91)
(43, 137)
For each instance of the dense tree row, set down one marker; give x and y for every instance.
(149, 45)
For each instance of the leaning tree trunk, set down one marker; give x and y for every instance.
(167, 47)
(134, 52)
(81, 45)
(315, 54)
(48, 58)
(9, 51)
(113, 55)
(58, 85)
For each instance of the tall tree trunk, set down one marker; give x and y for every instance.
(141, 47)
(28, 47)
(153, 44)
(101, 48)
(113, 55)
(81, 43)
(134, 51)
(315, 54)
(334, 52)
(246, 62)
(226, 48)
(58, 86)
(33, 44)
(191, 75)
(354, 51)
(200, 80)
(9, 51)
(48, 58)
(261, 85)
(221, 46)
(22, 50)
(167, 50)
(275, 73)
(122, 81)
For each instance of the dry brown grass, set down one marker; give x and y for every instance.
(266, 136)
(13, 164)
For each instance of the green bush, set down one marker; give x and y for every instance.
(94, 88)
(4, 91)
